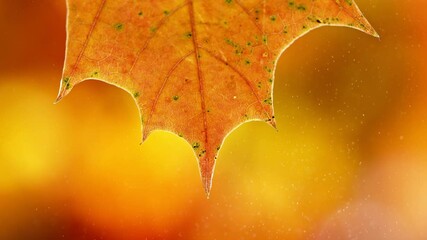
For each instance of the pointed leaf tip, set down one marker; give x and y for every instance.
(64, 88)
(375, 34)
(60, 96)
(207, 185)
(57, 100)
(207, 166)
(363, 23)
(207, 181)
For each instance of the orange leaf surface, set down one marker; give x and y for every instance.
(197, 68)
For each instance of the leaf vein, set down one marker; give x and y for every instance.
(199, 73)
(246, 80)
(159, 93)
(158, 26)
(86, 42)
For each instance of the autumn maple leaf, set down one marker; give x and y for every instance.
(195, 68)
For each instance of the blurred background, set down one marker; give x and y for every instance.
(349, 160)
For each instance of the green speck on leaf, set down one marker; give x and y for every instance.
(265, 39)
(301, 7)
(119, 26)
(188, 35)
(268, 101)
(94, 74)
(67, 83)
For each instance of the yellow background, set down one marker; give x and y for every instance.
(349, 160)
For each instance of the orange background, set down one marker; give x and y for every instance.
(349, 160)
